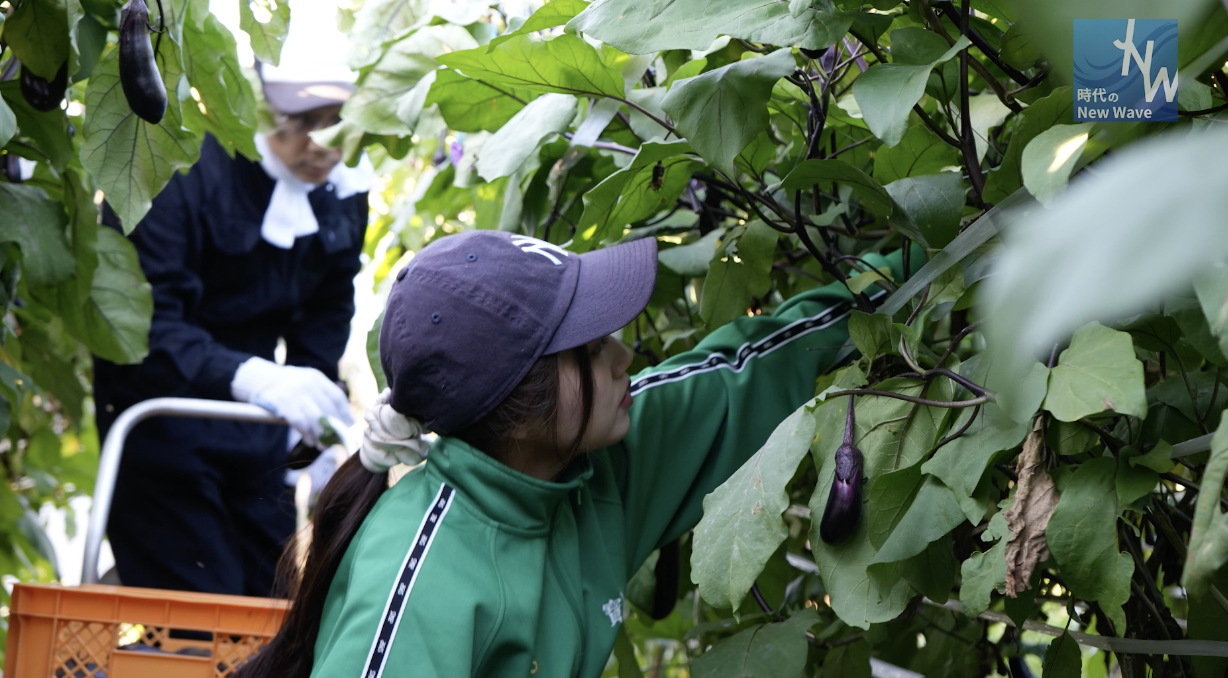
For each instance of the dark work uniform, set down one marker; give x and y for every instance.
(199, 504)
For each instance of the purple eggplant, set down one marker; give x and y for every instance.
(43, 94)
(844, 501)
(138, 71)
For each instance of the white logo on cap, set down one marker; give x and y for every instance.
(527, 244)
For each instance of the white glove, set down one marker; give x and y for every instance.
(300, 395)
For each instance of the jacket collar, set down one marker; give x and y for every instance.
(500, 493)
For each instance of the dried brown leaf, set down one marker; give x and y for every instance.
(1035, 498)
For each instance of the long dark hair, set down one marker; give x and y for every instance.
(352, 492)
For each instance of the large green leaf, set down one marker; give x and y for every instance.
(551, 14)
(693, 258)
(1094, 253)
(933, 204)
(38, 34)
(919, 152)
(46, 133)
(227, 107)
(932, 514)
(8, 123)
(1082, 537)
(1040, 116)
(374, 104)
(886, 93)
(565, 64)
(742, 527)
(962, 463)
(114, 322)
(815, 171)
(872, 334)
(379, 21)
(1049, 159)
(128, 158)
(646, 26)
(1097, 372)
(763, 651)
(469, 105)
(721, 111)
(740, 270)
(932, 572)
(36, 224)
(630, 194)
(507, 150)
(982, 572)
(1208, 551)
(890, 495)
(987, 112)
(266, 22)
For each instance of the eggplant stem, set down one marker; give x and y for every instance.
(849, 423)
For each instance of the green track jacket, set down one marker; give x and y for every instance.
(468, 568)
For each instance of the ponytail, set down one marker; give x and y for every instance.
(343, 505)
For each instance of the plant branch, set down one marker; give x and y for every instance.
(950, 404)
(946, 6)
(645, 111)
(968, 141)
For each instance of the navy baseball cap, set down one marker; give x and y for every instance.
(472, 312)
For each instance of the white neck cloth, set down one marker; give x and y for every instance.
(289, 213)
(391, 437)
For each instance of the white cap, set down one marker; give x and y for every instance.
(313, 71)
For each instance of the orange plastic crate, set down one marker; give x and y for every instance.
(76, 632)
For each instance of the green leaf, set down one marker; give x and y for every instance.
(933, 513)
(988, 112)
(115, 321)
(646, 26)
(629, 195)
(406, 61)
(932, 572)
(1211, 286)
(1070, 438)
(565, 64)
(227, 107)
(377, 367)
(1133, 482)
(1195, 330)
(469, 105)
(266, 22)
(507, 150)
(919, 152)
(624, 651)
(1040, 116)
(1082, 538)
(8, 123)
(765, 651)
(886, 93)
(742, 526)
(933, 204)
(378, 21)
(981, 573)
(721, 111)
(1208, 551)
(1022, 401)
(37, 32)
(46, 132)
(862, 281)
(961, 463)
(734, 278)
(692, 259)
(36, 224)
(815, 171)
(128, 158)
(551, 14)
(1016, 49)
(1159, 459)
(872, 334)
(1062, 658)
(848, 661)
(1050, 157)
(890, 495)
(1097, 372)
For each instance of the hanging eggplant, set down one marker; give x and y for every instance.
(843, 510)
(138, 71)
(43, 94)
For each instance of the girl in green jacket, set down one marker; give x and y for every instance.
(554, 475)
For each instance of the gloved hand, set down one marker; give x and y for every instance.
(300, 395)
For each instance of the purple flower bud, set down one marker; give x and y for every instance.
(455, 152)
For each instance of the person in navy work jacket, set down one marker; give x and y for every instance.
(240, 255)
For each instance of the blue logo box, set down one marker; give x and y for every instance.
(1125, 69)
